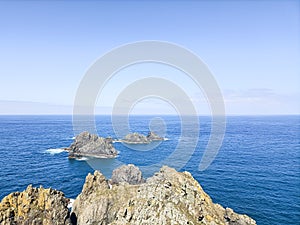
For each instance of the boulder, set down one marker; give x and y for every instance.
(127, 173)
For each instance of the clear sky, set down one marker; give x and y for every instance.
(252, 48)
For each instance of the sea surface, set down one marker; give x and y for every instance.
(256, 172)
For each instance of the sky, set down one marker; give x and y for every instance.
(252, 49)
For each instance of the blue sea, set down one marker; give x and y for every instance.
(256, 172)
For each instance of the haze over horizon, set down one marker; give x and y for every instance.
(251, 47)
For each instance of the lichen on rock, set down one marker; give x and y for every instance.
(35, 206)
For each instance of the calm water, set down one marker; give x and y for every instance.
(257, 170)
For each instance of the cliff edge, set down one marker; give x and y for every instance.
(167, 198)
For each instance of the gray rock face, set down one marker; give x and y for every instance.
(154, 137)
(35, 206)
(86, 144)
(136, 138)
(127, 173)
(169, 197)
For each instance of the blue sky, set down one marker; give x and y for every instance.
(252, 48)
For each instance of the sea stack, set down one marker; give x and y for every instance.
(136, 138)
(86, 144)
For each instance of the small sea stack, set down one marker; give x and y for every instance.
(137, 138)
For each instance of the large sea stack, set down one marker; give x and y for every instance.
(86, 144)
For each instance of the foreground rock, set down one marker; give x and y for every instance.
(136, 138)
(35, 206)
(129, 174)
(86, 144)
(169, 197)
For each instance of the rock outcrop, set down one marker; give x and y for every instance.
(169, 197)
(136, 138)
(86, 144)
(154, 137)
(127, 173)
(35, 206)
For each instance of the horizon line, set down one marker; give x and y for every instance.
(296, 114)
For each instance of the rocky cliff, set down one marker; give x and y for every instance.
(86, 144)
(169, 197)
(35, 206)
(127, 173)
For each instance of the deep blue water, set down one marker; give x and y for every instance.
(257, 170)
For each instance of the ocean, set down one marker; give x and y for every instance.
(256, 172)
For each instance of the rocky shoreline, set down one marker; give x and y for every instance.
(168, 197)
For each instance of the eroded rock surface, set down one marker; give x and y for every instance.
(86, 144)
(35, 206)
(127, 173)
(169, 197)
(136, 138)
(154, 137)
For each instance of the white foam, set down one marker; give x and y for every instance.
(70, 138)
(71, 203)
(166, 139)
(54, 151)
(82, 159)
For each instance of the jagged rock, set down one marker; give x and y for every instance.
(154, 137)
(169, 197)
(35, 206)
(86, 144)
(136, 138)
(127, 173)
